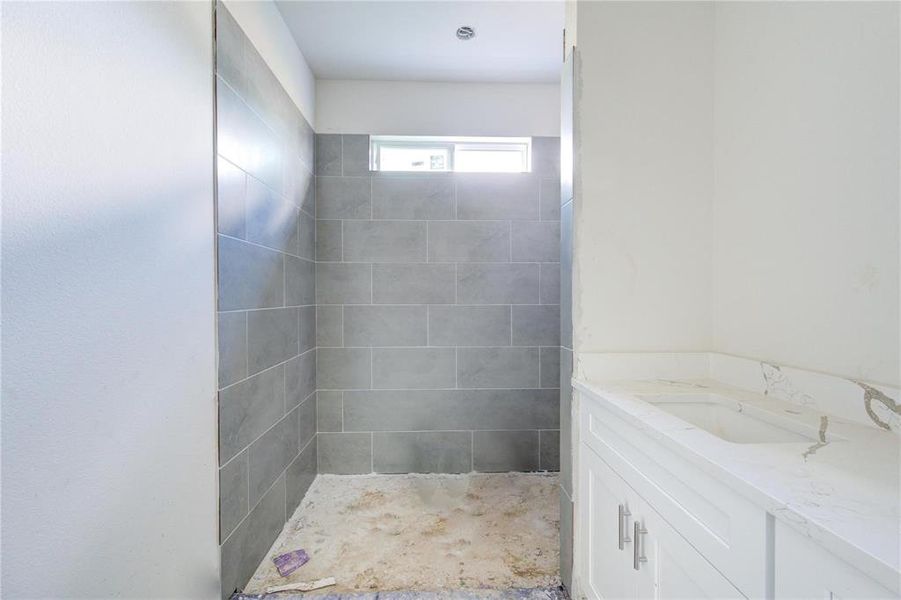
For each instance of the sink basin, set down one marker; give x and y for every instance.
(731, 420)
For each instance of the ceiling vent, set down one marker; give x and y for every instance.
(465, 33)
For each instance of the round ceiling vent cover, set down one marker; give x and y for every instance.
(465, 33)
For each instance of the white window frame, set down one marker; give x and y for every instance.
(452, 145)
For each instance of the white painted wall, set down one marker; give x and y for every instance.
(644, 127)
(806, 214)
(430, 108)
(108, 339)
(737, 183)
(262, 22)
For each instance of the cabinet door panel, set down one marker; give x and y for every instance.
(606, 570)
(674, 569)
(804, 570)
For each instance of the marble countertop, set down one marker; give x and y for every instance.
(843, 493)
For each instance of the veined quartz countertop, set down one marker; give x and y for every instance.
(844, 493)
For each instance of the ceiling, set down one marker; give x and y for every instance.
(516, 40)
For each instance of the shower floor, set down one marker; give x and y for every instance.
(423, 533)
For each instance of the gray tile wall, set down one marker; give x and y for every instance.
(267, 314)
(438, 315)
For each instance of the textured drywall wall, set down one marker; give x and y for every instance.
(644, 132)
(806, 210)
(108, 291)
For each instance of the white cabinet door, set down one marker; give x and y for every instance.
(671, 568)
(606, 570)
(804, 570)
(674, 569)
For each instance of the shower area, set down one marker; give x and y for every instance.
(389, 357)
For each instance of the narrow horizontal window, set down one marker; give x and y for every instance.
(447, 154)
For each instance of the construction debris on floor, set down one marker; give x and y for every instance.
(424, 533)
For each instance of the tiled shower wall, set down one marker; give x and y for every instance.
(267, 317)
(438, 317)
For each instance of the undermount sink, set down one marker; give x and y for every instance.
(731, 420)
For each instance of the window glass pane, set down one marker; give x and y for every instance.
(490, 161)
(393, 158)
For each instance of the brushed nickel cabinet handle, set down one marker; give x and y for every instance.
(638, 556)
(624, 515)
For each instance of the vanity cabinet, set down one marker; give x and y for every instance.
(631, 551)
(653, 524)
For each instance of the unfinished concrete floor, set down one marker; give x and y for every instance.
(423, 533)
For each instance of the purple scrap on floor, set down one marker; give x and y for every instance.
(291, 561)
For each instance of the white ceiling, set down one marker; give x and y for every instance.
(414, 40)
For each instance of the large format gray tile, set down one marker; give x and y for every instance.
(249, 543)
(422, 452)
(413, 368)
(566, 367)
(426, 197)
(469, 241)
(249, 276)
(536, 241)
(566, 540)
(497, 283)
(300, 378)
(232, 347)
(497, 196)
(230, 199)
(385, 241)
(264, 93)
(343, 368)
(328, 154)
(566, 275)
(497, 367)
(546, 156)
(233, 489)
(229, 48)
(249, 408)
(550, 283)
(329, 325)
(550, 199)
(300, 476)
(271, 337)
(450, 410)
(300, 281)
(469, 325)
(413, 283)
(549, 450)
(301, 188)
(342, 198)
(244, 139)
(270, 221)
(329, 411)
(500, 451)
(328, 240)
(536, 325)
(345, 453)
(270, 454)
(385, 325)
(355, 154)
(343, 283)
(307, 419)
(550, 367)
(307, 318)
(306, 236)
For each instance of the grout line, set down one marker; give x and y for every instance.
(275, 366)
